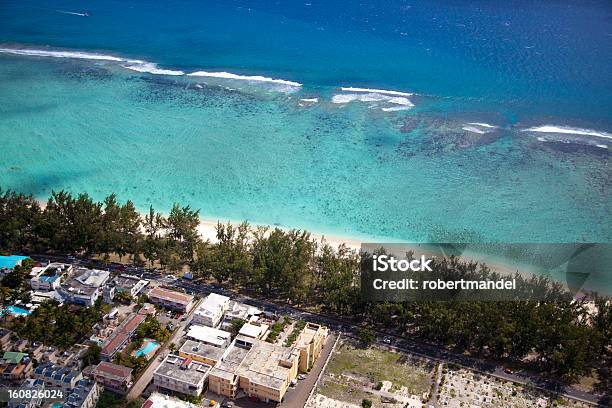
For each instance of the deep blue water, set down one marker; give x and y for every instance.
(528, 57)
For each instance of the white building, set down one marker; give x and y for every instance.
(211, 311)
(85, 287)
(182, 375)
(237, 310)
(208, 335)
(48, 278)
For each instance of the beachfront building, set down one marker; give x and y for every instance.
(129, 284)
(171, 299)
(48, 278)
(310, 342)
(84, 395)
(241, 311)
(182, 375)
(113, 377)
(85, 287)
(208, 335)
(262, 370)
(123, 334)
(57, 376)
(201, 352)
(15, 366)
(211, 311)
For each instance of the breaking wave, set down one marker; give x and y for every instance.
(567, 130)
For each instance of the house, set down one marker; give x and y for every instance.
(129, 284)
(158, 400)
(208, 335)
(15, 366)
(122, 334)
(310, 342)
(171, 299)
(85, 394)
(201, 352)
(48, 278)
(113, 377)
(211, 311)
(262, 370)
(57, 376)
(182, 375)
(85, 287)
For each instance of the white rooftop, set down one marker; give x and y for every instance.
(209, 335)
(252, 330)
(165, 401)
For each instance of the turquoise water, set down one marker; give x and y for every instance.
(17, 311)
(148, 348)
(505, 138)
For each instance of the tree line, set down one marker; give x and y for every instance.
(564, 337)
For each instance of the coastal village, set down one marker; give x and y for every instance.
(160, 344)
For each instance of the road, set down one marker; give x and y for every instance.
(146, 377)
(297, 397)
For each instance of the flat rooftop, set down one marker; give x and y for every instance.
(202, 350)
(268, 364)
(183, 369)
(209, 335)
(227, 368)
(171, 295)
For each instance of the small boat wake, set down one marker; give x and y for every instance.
(73, 13)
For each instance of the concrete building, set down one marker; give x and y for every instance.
(208, 335)
(123, 334)
(201, 352)
(310, 342)
(85, 287)
(130, 284)
(254, 330)
(113, 377)
(262, 370)
(237, 310)
(211, 311)
(84, 395)
(171, 299)
(48, 278)
(57, 376)
(15, 367)
(182, 375)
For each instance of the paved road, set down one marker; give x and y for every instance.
(144, 380)
(297, 397)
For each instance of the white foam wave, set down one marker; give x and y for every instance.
(377, 91)
(568, 131)
(370, 97)
(396, 108)
(60, 54)
(473, 130)
(152, 69)
(481, 124)
(310, 100)
(74, 13)
(255, 78)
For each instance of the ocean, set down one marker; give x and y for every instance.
(446, 121)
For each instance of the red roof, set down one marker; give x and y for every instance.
(107, 369)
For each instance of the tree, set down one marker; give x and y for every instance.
(366, 336)
(366, 403)
(92, 355)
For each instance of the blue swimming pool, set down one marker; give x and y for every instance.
(16, 311)
(149, 347)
